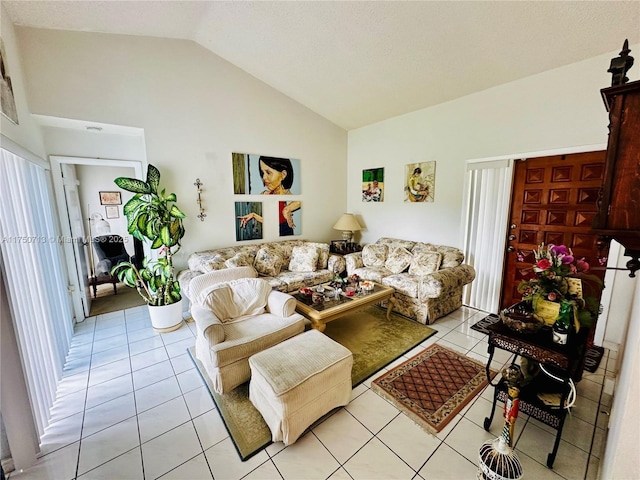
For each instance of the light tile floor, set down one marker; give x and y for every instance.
(131, 405)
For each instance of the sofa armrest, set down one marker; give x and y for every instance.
(337, 264)
(208, 324)
(281, 304)
(353, 261)
(436, 283)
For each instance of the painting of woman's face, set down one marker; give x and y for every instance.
(271, 177)
(265, 175)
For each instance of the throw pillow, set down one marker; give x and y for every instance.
(374, 255)
(423, 247)
(424, 263)
(398, 260)
(240, 259)
(267, 262)
(451, 257)
(208, 263)
(323, 251)
(304, 259)
(237, 298)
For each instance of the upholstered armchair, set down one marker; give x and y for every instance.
(110, 252)
(238, 315)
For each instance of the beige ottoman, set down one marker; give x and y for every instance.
(297, 381)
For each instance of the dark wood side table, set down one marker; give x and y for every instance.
(563, 361)
(101, 280)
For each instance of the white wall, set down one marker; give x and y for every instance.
(195, 109)
(556, 109)
(97, 179)
(620, 460)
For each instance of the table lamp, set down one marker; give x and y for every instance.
(348, 224)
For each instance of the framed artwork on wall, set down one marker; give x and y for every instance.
(289, 217)
(112, 211)
(264, 175)
(248, 221)
(373, 185)
(110, 198)
(420, 182)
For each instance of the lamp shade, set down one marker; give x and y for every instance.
(347, 222)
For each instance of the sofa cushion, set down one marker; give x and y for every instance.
(375, 274)
(323, 254)
(398, 260)
(403, 283)
(374, 255)
(240, 259)
(304, 258)
(424, 263)
(268, 262)
(237, 298)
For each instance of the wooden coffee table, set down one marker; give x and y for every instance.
(322, 313)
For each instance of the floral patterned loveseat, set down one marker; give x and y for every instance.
(427, 279)
(288, 265)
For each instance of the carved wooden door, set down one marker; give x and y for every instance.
(553, 201)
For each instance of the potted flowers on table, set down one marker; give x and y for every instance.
(562, 292)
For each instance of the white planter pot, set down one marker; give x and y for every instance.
(166, 318)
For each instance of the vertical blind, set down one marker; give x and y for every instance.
(488, 192)
(35, 280)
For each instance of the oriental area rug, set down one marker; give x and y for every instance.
(374, 341)
(432, 387)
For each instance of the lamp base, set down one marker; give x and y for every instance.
(347, 235)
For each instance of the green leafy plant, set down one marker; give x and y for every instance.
(152, 216)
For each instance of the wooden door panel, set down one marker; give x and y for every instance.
(553, 202)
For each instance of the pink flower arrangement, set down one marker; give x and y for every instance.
(554, 265)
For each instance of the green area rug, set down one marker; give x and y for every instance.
(374, 341)
(108, 302)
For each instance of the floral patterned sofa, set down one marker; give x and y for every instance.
(427, 279)
(287, 265)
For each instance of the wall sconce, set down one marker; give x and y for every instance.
(198, 185)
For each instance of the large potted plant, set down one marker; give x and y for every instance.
(153, 215)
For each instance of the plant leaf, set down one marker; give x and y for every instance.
(176, 212)
(165, 236)
(153, 178)
(157, 243)
(132, 185)
(132, 205)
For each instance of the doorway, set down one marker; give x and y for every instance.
(553, 201)
(79, 253)
(487, 214)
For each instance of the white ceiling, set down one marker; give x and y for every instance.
(359, 62)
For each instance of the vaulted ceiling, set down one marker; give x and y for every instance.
(360, 62)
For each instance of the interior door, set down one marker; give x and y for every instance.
(79, 243)
(553, 201)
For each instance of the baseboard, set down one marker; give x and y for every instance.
(614, 347)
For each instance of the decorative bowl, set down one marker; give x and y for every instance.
(521, 318)
(306, 292)
(367, 285)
